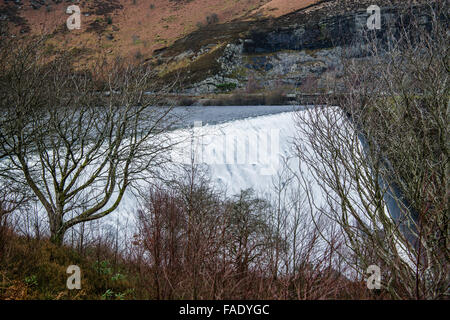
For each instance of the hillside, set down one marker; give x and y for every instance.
(133, 28)
(212, 46)
(249, 150)
(300, 50)
(125, 27)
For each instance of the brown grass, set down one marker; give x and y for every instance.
(241, 98)
(151, 20)
(182, 250)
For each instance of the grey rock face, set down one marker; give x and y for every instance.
(293, 55)
(290, 68)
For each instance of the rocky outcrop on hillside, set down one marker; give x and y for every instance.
(302, 49)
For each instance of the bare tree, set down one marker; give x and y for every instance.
(76, 138)
(381, 157)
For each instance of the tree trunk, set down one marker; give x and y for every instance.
(57, 238)
(57, 231)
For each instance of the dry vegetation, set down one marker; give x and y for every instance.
(191, 243)
(157, 23)
(386, 144)
(382, 156)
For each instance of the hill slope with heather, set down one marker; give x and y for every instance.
(212, 46)
(133, 27)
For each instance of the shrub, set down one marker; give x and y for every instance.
(212, 19)
(225, 87)
(186, 101)
(276, 97)
(241, 98)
